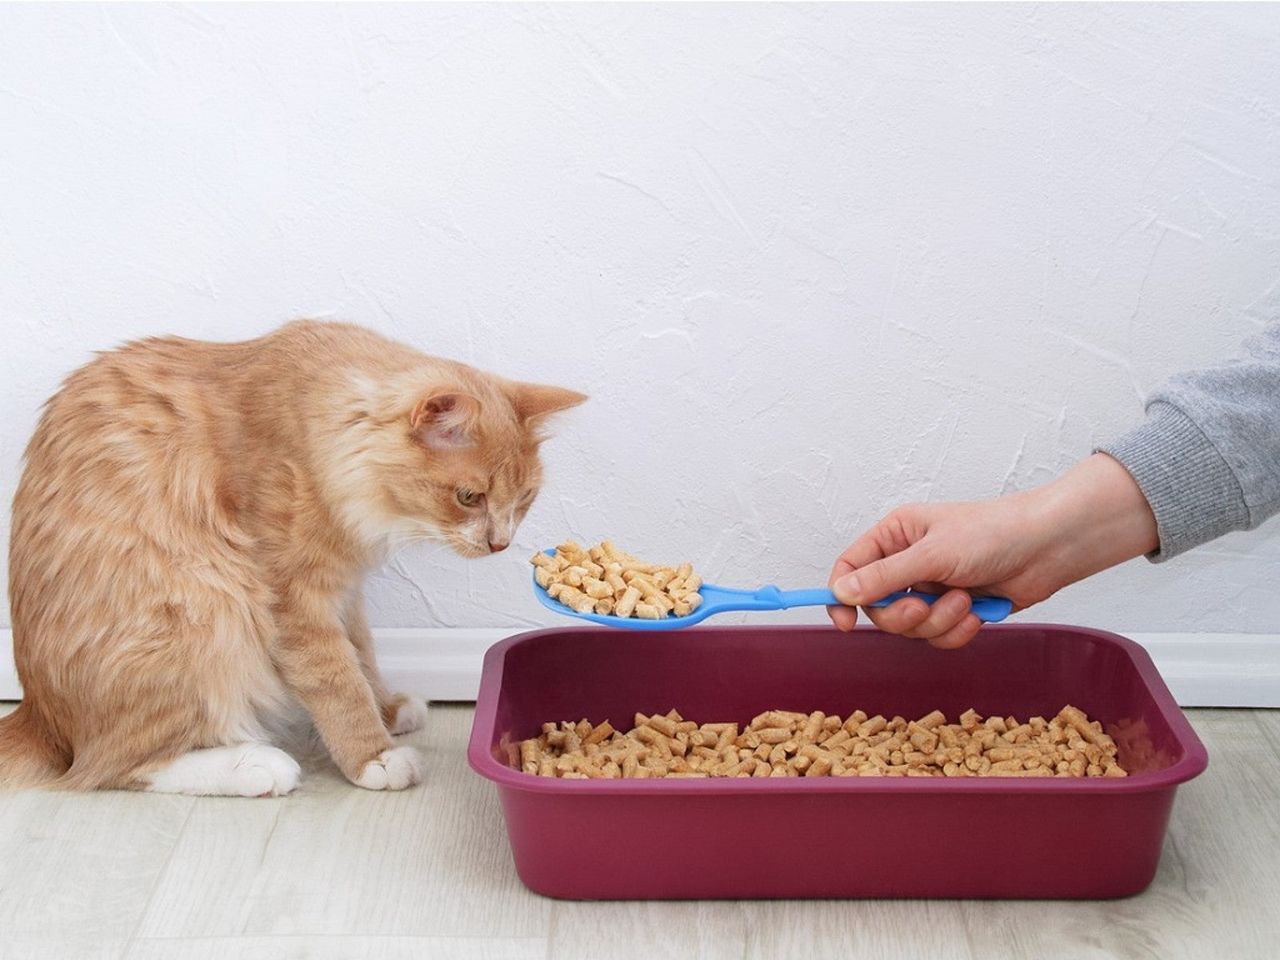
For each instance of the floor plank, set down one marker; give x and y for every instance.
(885, 930)
(645, 930)
(1268, 722)
(336, 872)
(339, 948)
(50, 946)
(208, 887)
(82, 864)
(336, 860)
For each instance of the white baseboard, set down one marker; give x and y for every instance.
(434, 663)
(1202, 669)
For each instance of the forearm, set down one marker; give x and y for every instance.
(320, 667)
(1093, 517)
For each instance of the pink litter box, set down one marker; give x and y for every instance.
(832, 837)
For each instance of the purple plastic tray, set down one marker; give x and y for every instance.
(832, 837)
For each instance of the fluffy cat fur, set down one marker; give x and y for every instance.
(189, 538)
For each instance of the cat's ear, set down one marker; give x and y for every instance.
(443, 420)
(534, 401)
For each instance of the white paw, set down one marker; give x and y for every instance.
(391, 770)
(264, 771)
(410, 716)
(238, 770)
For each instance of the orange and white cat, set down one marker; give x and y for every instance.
(189, 538)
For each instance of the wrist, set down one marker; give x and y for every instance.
(1091, 518)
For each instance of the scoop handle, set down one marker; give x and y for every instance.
(986, 609)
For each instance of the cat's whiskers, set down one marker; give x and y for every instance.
(406, 532)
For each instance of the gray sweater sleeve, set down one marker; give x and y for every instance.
(1208, 456)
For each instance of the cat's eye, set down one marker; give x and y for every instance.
(469, 498)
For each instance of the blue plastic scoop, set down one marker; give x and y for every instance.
(726, 599)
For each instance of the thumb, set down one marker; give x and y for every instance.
(883, 577)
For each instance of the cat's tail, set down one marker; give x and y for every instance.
(28, 755)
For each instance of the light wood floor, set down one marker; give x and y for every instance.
(334, 872)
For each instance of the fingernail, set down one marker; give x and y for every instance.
(847, 589)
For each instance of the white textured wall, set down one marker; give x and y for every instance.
(810, 261)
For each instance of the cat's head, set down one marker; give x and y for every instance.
(455, 459)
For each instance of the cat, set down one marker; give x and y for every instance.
(189, 538)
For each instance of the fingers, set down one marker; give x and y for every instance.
(945, 614)
(862, 551)
(844, 618)
(915, 618)
(866, 549)
(882, 577)
(959, 635)
(902, 616)
(887, 558)
(893, 534)
(948, 624)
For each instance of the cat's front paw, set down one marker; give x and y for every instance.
(392, 769)
(265, 771)
(407, 715)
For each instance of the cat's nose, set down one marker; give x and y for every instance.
(497, 546)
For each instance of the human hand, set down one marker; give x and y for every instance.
(1025, 546)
